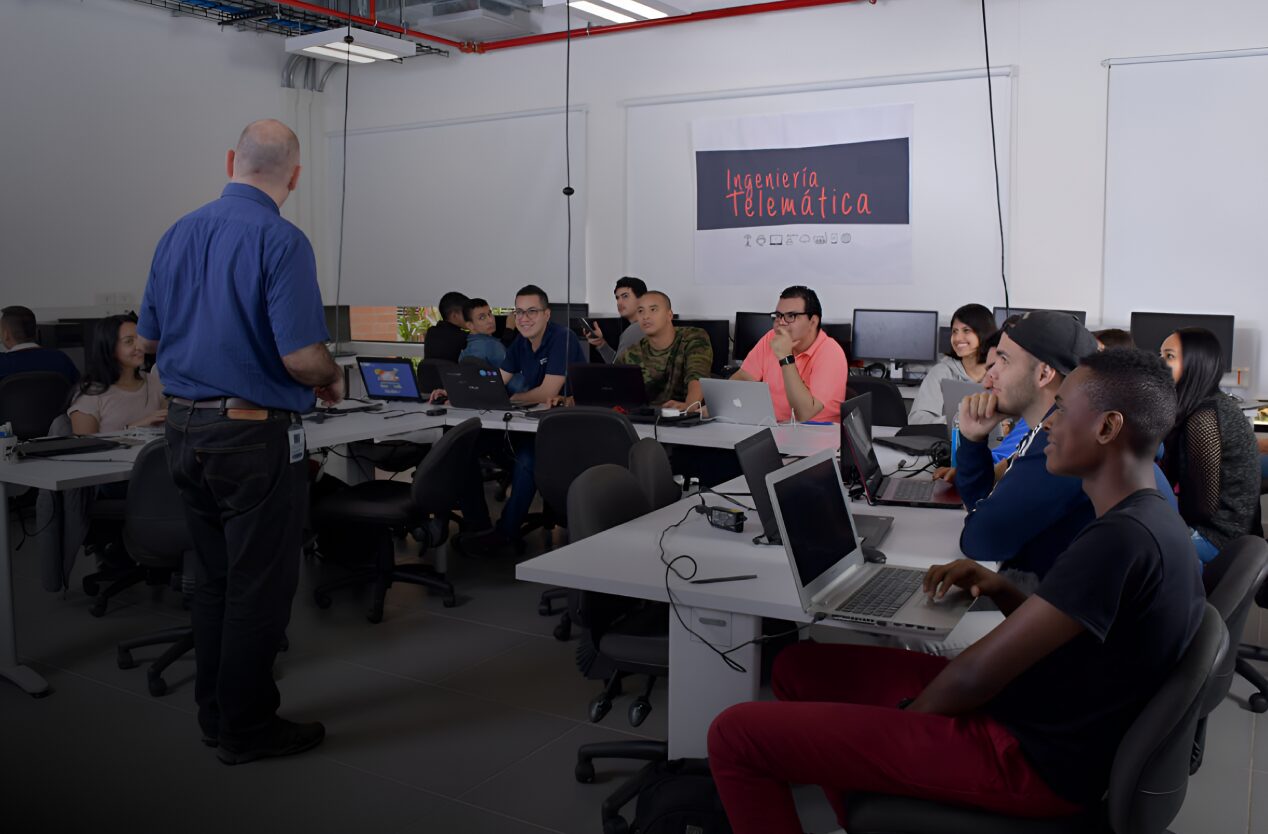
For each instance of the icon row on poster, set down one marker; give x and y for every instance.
(793, 240)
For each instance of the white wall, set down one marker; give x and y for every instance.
(1059, 124)
(114, 121)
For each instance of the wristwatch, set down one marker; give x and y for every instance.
(788, 360)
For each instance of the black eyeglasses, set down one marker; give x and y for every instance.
(786, 318)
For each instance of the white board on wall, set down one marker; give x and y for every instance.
(1186, 174)
(954, 225)
(474, 205)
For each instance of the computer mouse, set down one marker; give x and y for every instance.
(873, 556)
(441, 399)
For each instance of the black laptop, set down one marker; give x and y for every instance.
(619, 387)
(759, 456)
(47, 447)
(477, 388)
(899, 492)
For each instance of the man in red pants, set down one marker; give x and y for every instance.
(1027, 720)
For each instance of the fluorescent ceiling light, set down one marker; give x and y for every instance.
(640, 9)
(366, 46)
(599, 11)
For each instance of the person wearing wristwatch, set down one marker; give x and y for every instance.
(804, 367)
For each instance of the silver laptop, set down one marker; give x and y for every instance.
(953, 391)
(736, 401)
(827, 558)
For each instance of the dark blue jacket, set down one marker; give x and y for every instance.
(1032, 515)
(34, 359)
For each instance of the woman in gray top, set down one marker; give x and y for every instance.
(971, 325)
(1210, 457)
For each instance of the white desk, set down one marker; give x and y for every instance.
(624, 561)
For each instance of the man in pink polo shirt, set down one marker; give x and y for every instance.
(804, 367)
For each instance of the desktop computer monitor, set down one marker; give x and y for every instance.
(565, 315)
(1149, 330)
(944, 339)
(719, 331)
(749, 330)
(839, 330)
(896, 335)
(1002, 313)
(338, 325)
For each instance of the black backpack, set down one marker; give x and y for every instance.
(674, 797)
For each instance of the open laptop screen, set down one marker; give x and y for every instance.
(759, 456)
(816, 521)
(387, 379)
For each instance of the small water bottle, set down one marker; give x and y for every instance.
(955, 438)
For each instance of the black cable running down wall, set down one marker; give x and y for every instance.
(999, 204)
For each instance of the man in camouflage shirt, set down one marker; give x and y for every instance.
(673, 359)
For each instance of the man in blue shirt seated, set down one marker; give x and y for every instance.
(1030, 515)
(22, 355)
(540, 354)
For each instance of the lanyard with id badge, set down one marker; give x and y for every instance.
(295, 440)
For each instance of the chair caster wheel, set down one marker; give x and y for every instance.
(599, 707)
(639, 710)
(562, 632)
(91, 588)
(322, 601)
(124, 660)
(584, 772)
(99, 607)
(449, 602)
(1258, 703)
(158, 687)
(616, 825)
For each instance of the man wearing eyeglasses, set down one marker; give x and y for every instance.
(804, 367)
(540, 355)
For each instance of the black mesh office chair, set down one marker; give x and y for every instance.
(431, 372)
(1231, 580)
(888, 408)
(649, 464)
(570, 441)
(1247, 652)
(376, 510)
(1147, 782)
(31, 401)
(157, 537)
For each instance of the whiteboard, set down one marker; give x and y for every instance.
(474, 205)
(1186, 193)
(955, 230)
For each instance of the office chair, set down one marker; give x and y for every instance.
(570, 441)
(649, 464)
(888, 408)
(31, 401)
(1247, 652)
(1231, 580)
(378, 508)
(430, 374)
(1147, 782)
(157, 537)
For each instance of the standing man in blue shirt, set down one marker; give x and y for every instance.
(540, 356)
(233, 304)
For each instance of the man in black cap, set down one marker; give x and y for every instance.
(1027, 518)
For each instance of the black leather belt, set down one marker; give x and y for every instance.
(221, 403)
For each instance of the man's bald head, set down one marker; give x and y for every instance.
(268, 151)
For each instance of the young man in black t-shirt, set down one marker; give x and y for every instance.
(1027, 720)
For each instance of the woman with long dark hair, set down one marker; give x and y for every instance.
(971, 325)
(1210, 457)
(115, 394)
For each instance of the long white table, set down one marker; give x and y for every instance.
(625, 561)
(394, 421)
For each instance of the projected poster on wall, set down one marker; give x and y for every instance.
(811, 198)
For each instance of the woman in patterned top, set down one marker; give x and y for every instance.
(1210, 456)
(673, 359)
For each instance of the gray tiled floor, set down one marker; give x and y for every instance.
(440, 720)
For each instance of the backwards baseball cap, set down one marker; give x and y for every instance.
(1056, 339)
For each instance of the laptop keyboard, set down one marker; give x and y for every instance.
(907, 489)
(884, 593)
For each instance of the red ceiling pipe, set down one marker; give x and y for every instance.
(712, 14)
(371, 22)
